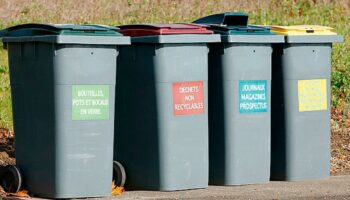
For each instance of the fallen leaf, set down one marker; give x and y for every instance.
(4, 133)
(347, 123)
(22, 193)
(116, 190)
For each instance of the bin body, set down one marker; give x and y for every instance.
(301, 106)
(239, 138)
(239, 101)
(63, 92)
(162, 131)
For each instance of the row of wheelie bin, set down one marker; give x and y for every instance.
(176, 106)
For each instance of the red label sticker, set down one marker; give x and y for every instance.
(188, 98)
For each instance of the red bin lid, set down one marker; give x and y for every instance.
(163, 29)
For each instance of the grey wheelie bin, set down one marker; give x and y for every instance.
(239, 100)
(63, 91)
(301, 103)
(162, 128)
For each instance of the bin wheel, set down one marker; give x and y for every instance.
(119, 175)
(11, 179)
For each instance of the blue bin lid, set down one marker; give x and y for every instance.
(232, 23)
(41, 29)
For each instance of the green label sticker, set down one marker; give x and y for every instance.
(90, 102)
(253, 96)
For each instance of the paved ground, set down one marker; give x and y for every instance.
(337, 187)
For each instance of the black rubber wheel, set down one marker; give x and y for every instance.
(119, 175)
(11, 179)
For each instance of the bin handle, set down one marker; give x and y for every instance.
(228, 19)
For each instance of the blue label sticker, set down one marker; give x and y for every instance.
(253, 96)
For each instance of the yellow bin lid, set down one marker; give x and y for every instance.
(303, 30)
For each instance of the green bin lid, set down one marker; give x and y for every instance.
(227, 18)
(232, 23)
(39, 29)
(241, 30)
(2, 33)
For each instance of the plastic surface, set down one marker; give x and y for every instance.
(239, 130)
(241, 30)
(300, 139)
(252, 38)
(227, 18)
(313, 39)
(2, 32)
(239, 96)
(36, 29)
(162, 144)
(301, 104)
(169, 33)
(71, 39)
(178, 39)
(163, 29)
(303, 30)
(64, 34)
(63, 107)
(232, 23)
(307, 34)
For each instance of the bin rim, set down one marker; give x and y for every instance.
(71, 39)
(178, 39)
(253, 39)
(313, 39)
